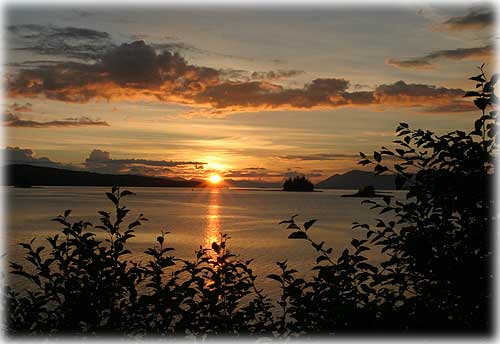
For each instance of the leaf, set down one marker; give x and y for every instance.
(472, 94)
(365, 288)
(377, 156)
(112, 198)
(478, 78)
(104, 213)
(215, 247)
(320, 259)
(297, 235)
(364, 266)
(387, 199)
(362, 248)
(379, 169)
(134, 224)
(275, 277)
(67, 212)
(309, 223)
(481, 103)
(318, 246)
(126, 193)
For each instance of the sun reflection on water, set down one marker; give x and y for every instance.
(212, 231)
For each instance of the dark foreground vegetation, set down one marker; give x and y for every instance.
(436, 277)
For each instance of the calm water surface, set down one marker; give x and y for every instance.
(198, 217)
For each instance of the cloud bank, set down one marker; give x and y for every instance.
(101, 161)
(320, 157)
(12, 120)
(474, 19)
(16, 155)
(138, 71)
(427, 61)
(71, 42)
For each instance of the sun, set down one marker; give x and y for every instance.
(215, 179)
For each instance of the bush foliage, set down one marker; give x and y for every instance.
(435, 275)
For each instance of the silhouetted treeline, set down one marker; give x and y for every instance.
(25, 175)
(298, 183)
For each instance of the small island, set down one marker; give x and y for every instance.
(367, 191)
(298, 183)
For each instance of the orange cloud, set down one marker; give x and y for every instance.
(137, 71)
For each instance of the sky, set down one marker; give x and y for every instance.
(256, 93)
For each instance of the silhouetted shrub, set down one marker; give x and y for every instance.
(85, 285)
(437, 273)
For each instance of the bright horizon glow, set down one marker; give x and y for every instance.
(252, 115)
(215, 179)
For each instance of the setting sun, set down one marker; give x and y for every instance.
(215, 179)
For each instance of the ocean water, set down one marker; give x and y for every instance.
(197, 217)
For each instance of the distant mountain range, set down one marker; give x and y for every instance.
(31, 175)
(27, 175)
(356, 179)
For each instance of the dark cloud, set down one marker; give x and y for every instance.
(81, 13)
(475, 19)
(416, 94)
(101, 161)
(426, 61)
(72, 42)
(26, 107)
(34, 63)
(137, 70)
(16, 155)
(259, 173)
(12, 120)
(320, 157)
(276, 75)
(243, 75)
(249, 173)
(453, 107)
(265, 95)
(234, 75)
(175, 47)
(359, 87)
(127, 71)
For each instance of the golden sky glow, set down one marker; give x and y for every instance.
(244, 94)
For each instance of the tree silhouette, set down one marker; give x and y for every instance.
(298, 183)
